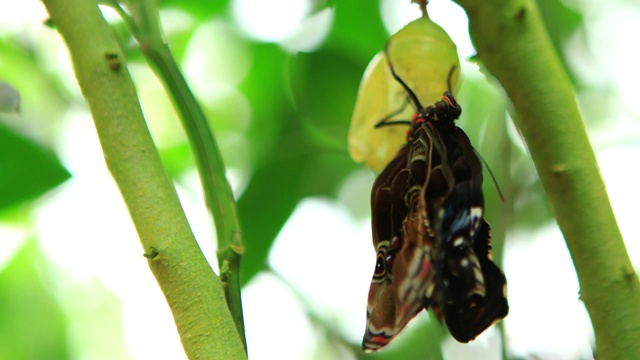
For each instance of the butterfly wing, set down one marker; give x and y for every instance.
(471, 313)
(404, 238)
(473, 285)
(387, 214)
(431, 239)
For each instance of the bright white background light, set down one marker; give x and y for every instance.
(270, 20)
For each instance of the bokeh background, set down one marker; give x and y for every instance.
(278, 80)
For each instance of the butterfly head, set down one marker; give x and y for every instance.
(447, 109)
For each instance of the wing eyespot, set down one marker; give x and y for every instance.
(381, 266)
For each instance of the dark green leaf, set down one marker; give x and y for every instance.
(26, 169)
(200, 9)
(264, 207)
(357, 30)
(272, 192)
(300, 168)
(290, 161)
(324, 87)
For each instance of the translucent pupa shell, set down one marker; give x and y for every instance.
(422, 54)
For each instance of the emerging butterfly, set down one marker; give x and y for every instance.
(429, 232)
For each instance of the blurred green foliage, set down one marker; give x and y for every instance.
(301, 106)
(32, 323)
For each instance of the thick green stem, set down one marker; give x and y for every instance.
(514, 46)
(192, 290)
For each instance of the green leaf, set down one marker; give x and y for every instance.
(264, 207)
(324, 85)
(200, 9)
(276, 188)
(26, 169)
(357, 30)
(289, 153)
(274, 137)
(32, 324)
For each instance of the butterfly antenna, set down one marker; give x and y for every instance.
(386, 121)
(410, 92)
(495, 182)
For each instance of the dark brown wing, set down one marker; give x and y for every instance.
(466, 318)
(473, 284)
(403, 243)
(388, 211)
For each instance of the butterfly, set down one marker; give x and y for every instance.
(432, 242)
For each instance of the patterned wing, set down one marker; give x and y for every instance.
(472, 313)
(404, 239)
(472, 284)
(403, 262)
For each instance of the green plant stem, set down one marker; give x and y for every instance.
(144, 25)
(217, 191)
(192, 290)
(514, 46)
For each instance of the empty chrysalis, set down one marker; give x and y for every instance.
(422, 54)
